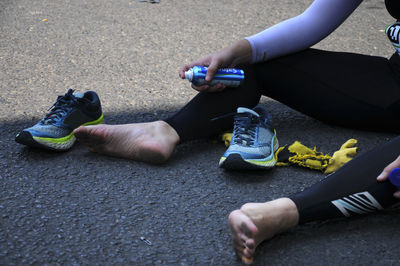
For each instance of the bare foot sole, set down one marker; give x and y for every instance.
(257, 222)
(149, 142)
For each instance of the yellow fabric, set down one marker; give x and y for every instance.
(300, 149)
(342, 156)
(303, 156)
(306, 157)
(226, 138)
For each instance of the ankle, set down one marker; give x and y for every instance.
(169, 133)
(159, 143)
(289, 215)
(280, 214)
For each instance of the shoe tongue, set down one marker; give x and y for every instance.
(78, 94)
(247, 110)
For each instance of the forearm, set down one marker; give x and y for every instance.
(303, 31)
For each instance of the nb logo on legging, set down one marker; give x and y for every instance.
(393, 33)
(359, 203)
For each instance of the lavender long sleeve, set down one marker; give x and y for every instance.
(302, 31)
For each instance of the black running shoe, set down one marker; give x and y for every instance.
(55, 130)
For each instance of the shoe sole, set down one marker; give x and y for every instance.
(236, 162)
(55, 144)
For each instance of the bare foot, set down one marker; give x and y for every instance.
(256, 222)
(151, 142)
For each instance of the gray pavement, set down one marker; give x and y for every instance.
(79, 208)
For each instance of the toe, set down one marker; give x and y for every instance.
(239, 250)
(86, 131)
(247, 260)
(90, 135)
(80, 131)
(248, 252)
(250, 244)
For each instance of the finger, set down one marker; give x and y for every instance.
(351, 151)
(348, 144)
(183, 70)
(201, 62)
(182, 73)
(216, 88)
(385, 173)
(212, 69)
(219, 89)
(201, 88)
(397, 194)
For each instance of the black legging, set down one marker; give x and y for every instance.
(353, 189)
(344, 89)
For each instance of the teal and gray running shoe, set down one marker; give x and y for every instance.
(55, 130)
(253, 142)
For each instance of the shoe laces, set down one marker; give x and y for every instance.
(245, 128)
(60, 108)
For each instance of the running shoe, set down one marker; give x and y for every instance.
(55, 130)
(253, 142)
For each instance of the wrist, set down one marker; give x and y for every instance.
(241, 52)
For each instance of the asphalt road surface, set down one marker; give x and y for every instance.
(80, 208)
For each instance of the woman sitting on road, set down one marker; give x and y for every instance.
(345, 89)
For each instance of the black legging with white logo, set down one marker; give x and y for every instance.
(351, 190)
(344, 89)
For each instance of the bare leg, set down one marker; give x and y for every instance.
(256, 222)
(151, 142)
